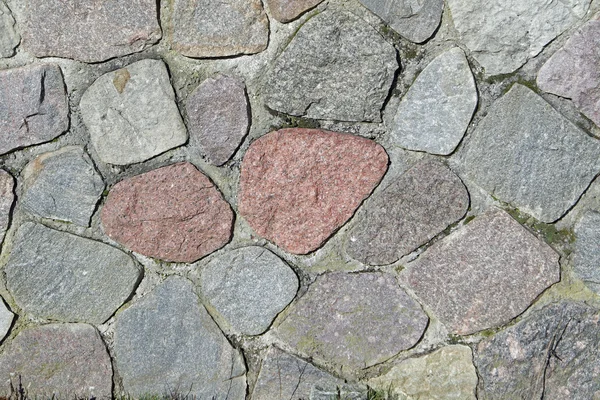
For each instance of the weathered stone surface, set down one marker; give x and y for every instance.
(174, 213)
(298, 186)
(586, 260)
(7, 198)
(248, 287)
(6, 318)
(527, 154)
(9, 38)
(131, 113)
(62, 185)
(288, 10)
(207, 28)
(59, 276)
(551, 354)
(504, 34)
(219, 117)
(435, 112)
(167, 341)
(408, 213)
(491, 269)
(61, 361)
(573, 71)
(33, 106)
(414, 20)
(89, 31)
(447, 373)
(353, 320)
(336, 67)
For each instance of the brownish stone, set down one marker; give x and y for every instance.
(288, 10)
(7, 198)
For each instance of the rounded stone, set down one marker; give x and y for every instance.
(6, 319)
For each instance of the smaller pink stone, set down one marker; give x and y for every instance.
(288, 10)
(173, 213)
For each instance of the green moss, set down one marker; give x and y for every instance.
(469, 219)
(549, 232)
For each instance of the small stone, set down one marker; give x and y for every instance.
(62, 185)
(9, 38)
(33, 106)
(298, 186)
(248, 287)
(7, 198)
(353, 320)
(504, 34)
(207, 28)
(6, 319)
(90, 31)
(58, 361)
(336, 67)
(586, 260)
(492, 270)
(435, 113)
(527, 154)
(288, 10)
(131, 114)
(408, 213)
(219, 117)
(59, 276)
(167, 342)
(173, 213)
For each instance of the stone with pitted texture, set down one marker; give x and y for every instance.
(586, 259)
(6, 319)
(288, 10)
(9, 37)
(7, 198)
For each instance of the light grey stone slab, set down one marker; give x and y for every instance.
(9, 37)
(586, 259)
(7, 198)
(6, 319)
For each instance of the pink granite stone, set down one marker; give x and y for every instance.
(173, 213)
(298, 186)
(288, 10)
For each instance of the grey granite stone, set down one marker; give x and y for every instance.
(6, 319)
(9, 37)
(7, 198)
(248, 287)
(483, 275)
(527, 154)
(166, 342)
(336, 67)
(408, 213)
(60, 276)
(288, 10)
(131, 113)
(586, 259)
(435, 112)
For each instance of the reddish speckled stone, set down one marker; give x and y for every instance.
(298, 186)
(173, 213)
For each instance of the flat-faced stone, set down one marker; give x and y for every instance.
(504, 34)
(60, 276)
(9, 37)
(7, 198)
(435, 112)
(59, 361)
(89, 30)
(33, 106)
(353, 320)
(551, 354)
(527, 154)
(298, 186)
(219, 117)
(6, 319)
(288, 10)
(586, 259)
(167, 341)
(248, 287)
(131, 113)
(173, 213)
(336, 67)
(62, 185)
(207, 28)
(408, 213)
(491, 269)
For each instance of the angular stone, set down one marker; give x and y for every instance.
(7, 198)
(586, 260)
(550, 354)
(219, 117)
(207, 28)
(447, 373)
(336, 67)
(6, 319)
(573, 71)
(173, 213)
(59, 276)
(435, 112)
(89, 31)
(62, 185)
(248, 287)
(504, 34)
(9, 38)
(408, 213)
(59, 361)
(298, 186)
(491, 269)
(525, 153)
(166, 342)
(353, 320)
(33, 106)
(131, 113)
(414, 20)
(288, 10)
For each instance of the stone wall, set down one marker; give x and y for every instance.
(301, 199)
